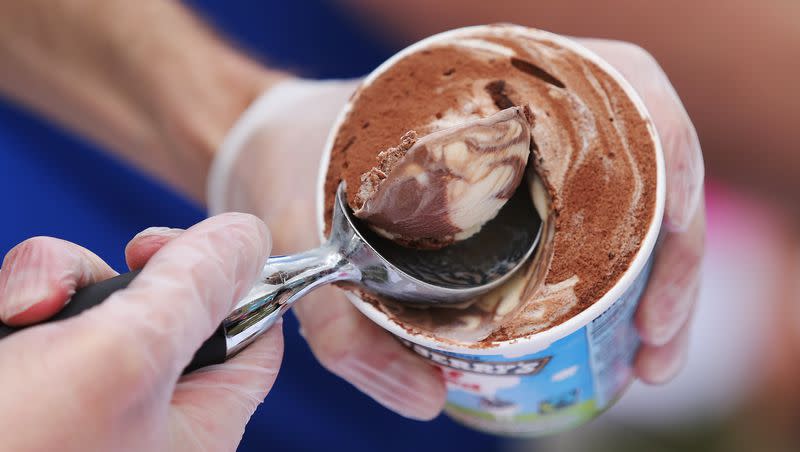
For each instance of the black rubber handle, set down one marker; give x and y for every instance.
(213, 350)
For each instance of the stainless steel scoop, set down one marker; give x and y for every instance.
(355, 254)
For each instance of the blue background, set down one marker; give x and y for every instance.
(54, 184)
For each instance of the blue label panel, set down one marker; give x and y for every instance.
(553, 390)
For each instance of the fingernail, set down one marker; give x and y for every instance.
(158, 231)
(400, 386)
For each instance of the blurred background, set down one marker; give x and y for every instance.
(735, 65)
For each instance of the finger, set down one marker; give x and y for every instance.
(149, 332)
(40, 275)
(660, 364)
(682, 155)
(145, 244)
(214, 404)
(674, 284)
(352, 347)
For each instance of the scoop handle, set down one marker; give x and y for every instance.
(213, 350)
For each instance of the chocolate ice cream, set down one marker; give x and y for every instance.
(592, 167)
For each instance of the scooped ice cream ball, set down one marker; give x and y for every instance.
(432, 191)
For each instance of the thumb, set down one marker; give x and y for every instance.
(213, 405)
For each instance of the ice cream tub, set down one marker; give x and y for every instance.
(555, 379)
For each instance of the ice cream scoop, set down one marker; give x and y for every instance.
(442, 188)
(355, 255)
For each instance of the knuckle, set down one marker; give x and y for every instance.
(667, 309)
(654, 326)
(689, 253)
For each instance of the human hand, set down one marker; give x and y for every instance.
(665, 310)
(110, 378)
(270, 167)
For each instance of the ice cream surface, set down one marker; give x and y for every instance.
(432, 191)
(593, 164)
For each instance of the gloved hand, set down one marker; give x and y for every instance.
(270, 166)
(109, 379)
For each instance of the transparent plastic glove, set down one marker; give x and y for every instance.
(269, 167)
(110, 379)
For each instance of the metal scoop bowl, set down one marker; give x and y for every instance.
(355, 254)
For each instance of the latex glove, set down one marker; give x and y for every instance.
(109, 379)
(270, 168)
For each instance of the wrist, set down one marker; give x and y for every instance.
(189, 85)
(192, 116)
